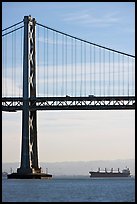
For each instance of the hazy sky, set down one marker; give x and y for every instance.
(77, 135)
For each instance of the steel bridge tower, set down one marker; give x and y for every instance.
(29, 153)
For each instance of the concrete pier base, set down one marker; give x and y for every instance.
(29, 176)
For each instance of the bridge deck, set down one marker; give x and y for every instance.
(70, 103)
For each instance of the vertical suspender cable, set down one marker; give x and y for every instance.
(15, 60)
(56, 63)
(12, 67)
(109, 88)
(3, 70)
(133, 75)
(13, 64)
(53, 60)
(62, 91)
(47, 62)
(113, 73)
(44, 61)
(100, 70)
(72, 65)
(66, 62)
(128, 76)
(85, 67)
(21, 83)
(104, 69)
(75, 65)
(38, 62)
(94, 69)
(6, 53)
(81, 72)
(90, 67)
(123, 75)
(118, 74)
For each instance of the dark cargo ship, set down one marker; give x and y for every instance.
(125, 173)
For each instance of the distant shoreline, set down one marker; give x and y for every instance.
(76, 168)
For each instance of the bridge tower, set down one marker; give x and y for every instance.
(29, 153)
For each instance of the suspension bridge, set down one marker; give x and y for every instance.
(46, 69)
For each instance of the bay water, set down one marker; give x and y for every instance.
(81, 189)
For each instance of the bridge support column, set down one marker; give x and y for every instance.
(25, 151)
(29, 153)
(33, 113)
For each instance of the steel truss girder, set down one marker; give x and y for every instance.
(70, 103)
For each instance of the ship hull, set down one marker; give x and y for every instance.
(108, 174)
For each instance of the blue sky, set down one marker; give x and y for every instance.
(110, 24)
(77, 135)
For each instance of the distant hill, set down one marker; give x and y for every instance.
(76, 168)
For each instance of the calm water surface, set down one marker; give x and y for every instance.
(68, 190)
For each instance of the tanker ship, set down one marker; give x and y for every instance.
(124, 173)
